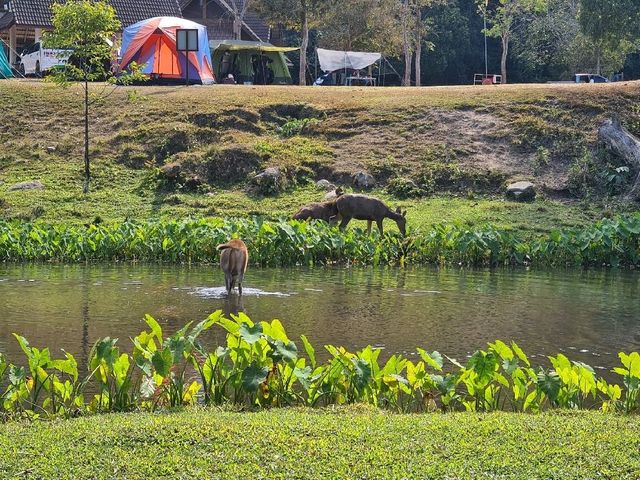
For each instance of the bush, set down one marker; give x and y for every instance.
(404, 188)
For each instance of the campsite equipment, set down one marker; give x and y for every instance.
(348, 64)
(5, 68)
(153, 43)
(250, 62)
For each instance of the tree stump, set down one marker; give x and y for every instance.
(627, 146)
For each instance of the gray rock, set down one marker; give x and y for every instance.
(364, 180)
(29, 185)
(270, 182)
(51, 149)
(521, 191)
(325, 185)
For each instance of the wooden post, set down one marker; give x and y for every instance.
(13, 45)
(37, 35)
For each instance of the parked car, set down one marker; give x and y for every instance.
(590, 78)
(35, 60)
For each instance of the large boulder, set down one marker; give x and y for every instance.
(271, 181)
(364, 180)
(325, 185)
(521, 191)
(29, 185)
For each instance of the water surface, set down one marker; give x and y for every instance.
(590, 315)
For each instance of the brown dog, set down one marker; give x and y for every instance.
(233, 261)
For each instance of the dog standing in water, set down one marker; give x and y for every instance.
(233, 261)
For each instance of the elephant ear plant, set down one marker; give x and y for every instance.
(164, 363)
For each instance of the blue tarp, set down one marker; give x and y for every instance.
(5, 68)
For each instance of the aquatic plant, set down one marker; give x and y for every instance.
(259, 367)
(614, 242)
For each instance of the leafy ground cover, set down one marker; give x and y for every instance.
(344, 443)
(260, 367)
(611, 242)
(457, 145)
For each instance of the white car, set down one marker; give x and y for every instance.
(36, 60)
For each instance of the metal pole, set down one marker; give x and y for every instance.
(486, 63)
(186, 55)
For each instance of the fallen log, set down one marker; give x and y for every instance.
(618, 139)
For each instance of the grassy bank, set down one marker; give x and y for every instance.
(457, 145)
(346, 443)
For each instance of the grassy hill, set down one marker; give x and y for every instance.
(450, 150)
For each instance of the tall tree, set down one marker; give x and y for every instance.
(239, 8)
(301, 15)
(611, 24)
(503, 18)
(414, 25)
(84, 27)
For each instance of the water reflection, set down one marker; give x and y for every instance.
(590, 315)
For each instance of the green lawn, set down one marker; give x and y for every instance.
(354, 442)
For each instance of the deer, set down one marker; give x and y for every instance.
(362, 207)
(233, 261)
(326, 211)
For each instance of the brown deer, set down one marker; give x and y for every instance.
(326, 211)
(371, 209)
(233, 261)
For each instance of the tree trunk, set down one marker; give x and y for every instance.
(418, 60)
(503, 60)
(598, 62)
(406, 79)
(87, 171)
(303, 48)
(619, 140)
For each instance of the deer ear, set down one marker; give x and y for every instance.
(404, 214)
(398, 210)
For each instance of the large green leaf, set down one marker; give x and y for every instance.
(433, 359)
(284, 351)
(362, 374)
(253, 376)
(250, 334)
(311, 353)
(162, 361)
(156, 329)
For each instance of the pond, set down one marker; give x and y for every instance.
(589, 315)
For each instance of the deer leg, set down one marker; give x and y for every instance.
(379, 223)
(240, 279)
(344, 223)
(227, 282)
(369, 227)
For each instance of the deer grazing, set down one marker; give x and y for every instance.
(361, 207)
(233, 261)
(319, 211)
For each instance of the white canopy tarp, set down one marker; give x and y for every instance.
(332, 60)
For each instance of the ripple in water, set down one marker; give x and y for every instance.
(221, 292)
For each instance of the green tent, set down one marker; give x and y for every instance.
(255, 62)
(5, 68)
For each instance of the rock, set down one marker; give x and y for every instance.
(30, 185)
(51, 149)
(521, 191)
(270, 182)
(363, 180)
(325, 185)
